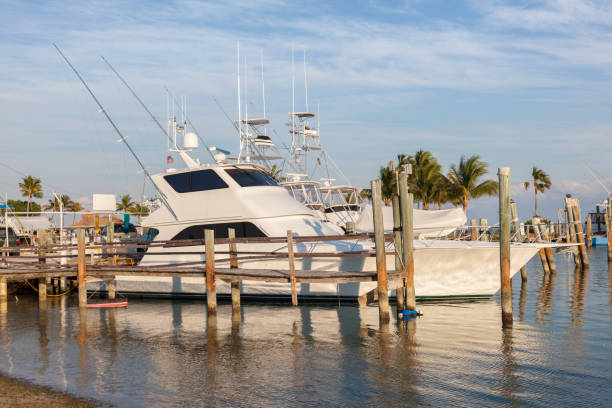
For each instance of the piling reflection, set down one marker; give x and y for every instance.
(522, 300)
(83, 378)
(510, 387)
(43, 339)
(576, 303)
(545, 296)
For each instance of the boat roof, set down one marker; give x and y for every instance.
(304, 114)
(221, 165)
(298, 183)
(344, 188)
(260, 121)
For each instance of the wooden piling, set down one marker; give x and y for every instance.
(379, 242)
(42, 260)
(542, 251)
(517, 234)
(584, 256)
(291, 256)
(3, 291)
(504, 245)
(211, 285)
(397, 243)
(569, 216)
(549, 253)
(235, 285)
(589, 231)
(474, 230)
(406, 207)
(483, 229)
(81, 267)
(110, 238)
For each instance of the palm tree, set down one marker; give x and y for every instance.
(465, 180)
(276, 173)
(54, 204)
(541, 182)
(387, 183)
(75, 207)
(426, 178)
(30, 187)
(126, 203)
(140, 209)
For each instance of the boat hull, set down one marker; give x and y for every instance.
(443, 269)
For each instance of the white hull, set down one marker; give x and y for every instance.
(443, 269)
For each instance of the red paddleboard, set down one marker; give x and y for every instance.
(119, 303)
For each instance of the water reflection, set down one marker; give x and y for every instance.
(510, 383)
(160, 353)
(577, 299)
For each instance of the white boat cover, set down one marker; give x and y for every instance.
(427, 224)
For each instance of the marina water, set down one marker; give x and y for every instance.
(168, 353)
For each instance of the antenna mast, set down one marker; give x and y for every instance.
(239, 128)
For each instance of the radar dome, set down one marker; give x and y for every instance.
(190, 141)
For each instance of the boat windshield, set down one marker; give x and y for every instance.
(251, 177)
(340, 199)
(307, 194)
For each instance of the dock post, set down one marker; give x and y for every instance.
(231, 234)
(81, 267)
(589, 231)
(290, 255)
(474, 230)
(3, 291)
(542, 251)
(609, 228)
(406, 206)
(569, 216)
(517, 232)
(504, 245)
(397, 243)
(549, 253)
(584, 257)
(110, 238)
(42, 260)
(211, 285)
(483, 229)
(381, 262)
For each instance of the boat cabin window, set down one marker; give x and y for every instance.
(251, 177)
(243, 230)
(200, 180)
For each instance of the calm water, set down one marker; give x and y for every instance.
(167, 353)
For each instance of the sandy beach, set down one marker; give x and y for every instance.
(15, 393)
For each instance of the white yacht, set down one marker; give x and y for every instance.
(244, 197)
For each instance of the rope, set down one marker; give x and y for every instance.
(58, 295)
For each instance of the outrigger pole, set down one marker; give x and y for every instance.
(144, 169)
(147, 109)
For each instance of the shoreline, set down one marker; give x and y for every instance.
(20, 393)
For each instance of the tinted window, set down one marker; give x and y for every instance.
(243, 230)
(249, 178)
(195, 181)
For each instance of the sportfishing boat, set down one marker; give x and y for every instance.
(243, 197)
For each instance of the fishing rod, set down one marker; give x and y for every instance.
(596, 178)
(144, 169)
(147, 109)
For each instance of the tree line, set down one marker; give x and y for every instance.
(432, 187)
(31, 188)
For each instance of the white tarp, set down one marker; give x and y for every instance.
(434, 223)
(27, 224)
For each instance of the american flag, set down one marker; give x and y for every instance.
(169, 159)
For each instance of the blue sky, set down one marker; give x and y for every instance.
(520, 83)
